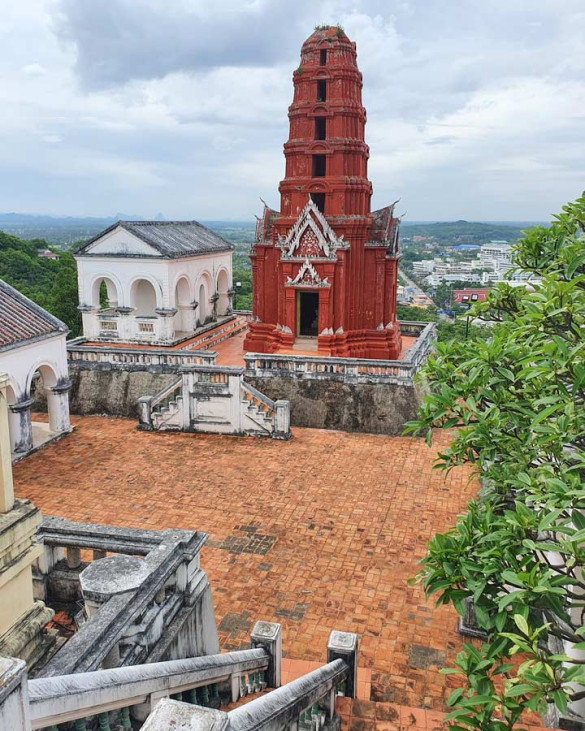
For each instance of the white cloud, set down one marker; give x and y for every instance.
(475, 110)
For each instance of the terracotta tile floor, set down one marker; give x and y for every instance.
(318, 533)
(358, 715)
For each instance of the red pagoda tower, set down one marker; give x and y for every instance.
(324, 269)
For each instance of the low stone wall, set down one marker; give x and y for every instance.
(380, 408)
(113, 392)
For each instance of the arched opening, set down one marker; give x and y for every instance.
(223, 285)
(104, 294)
(50, 407)
(184, 317)
(143, 298)
(203, 308)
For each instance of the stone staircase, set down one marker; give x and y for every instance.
(214, 400)
(258, 408)
(207, 340)
(233, 691)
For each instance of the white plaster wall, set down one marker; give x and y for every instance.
(21, 363)
(123, 273)
(163, 274)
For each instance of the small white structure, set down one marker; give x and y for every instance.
(153, 281)
(32, 345)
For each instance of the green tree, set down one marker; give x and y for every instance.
(517, 400)
(50, 283)
(63, 300)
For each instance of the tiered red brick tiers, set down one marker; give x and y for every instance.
(325, 266)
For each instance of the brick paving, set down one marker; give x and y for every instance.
(318, 533)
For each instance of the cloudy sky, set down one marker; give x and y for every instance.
(476, 108)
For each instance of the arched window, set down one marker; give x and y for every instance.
(223, 285)
(184, 316)
(143, 298)
(104, 295)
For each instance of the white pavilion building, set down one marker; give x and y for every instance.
(153, 281)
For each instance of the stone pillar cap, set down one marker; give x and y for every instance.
(342, 641)
(107, 577)
(266, 630)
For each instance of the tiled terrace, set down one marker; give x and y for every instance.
(318, 533)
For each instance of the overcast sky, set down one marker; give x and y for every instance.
(476, 108)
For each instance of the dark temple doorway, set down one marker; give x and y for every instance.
(308, 314)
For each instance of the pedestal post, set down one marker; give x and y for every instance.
(14, 706)
(269, 636)
(344, 645)
(230, 308)
(166, 331)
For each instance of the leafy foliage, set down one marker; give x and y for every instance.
(51, 283)
(517, 399)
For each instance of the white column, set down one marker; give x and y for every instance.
(23, 438)
(126, 324)
(166, 331)
(6, 486)
(58, 405)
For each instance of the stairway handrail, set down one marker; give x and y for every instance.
(167, 391)
(290, 700)
(65, 698)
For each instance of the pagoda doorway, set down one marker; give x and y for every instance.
(307, 314)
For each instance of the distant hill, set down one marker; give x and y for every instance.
(63, 231)
(465, 232)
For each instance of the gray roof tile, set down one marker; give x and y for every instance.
(172, 239)
(22, 320)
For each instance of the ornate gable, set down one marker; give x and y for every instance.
(384, 230)
(307, 276)
(311, 237)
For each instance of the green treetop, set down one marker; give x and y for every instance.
(517, 400)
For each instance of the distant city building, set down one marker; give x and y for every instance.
(422, 268)
(47, 254)
(462, 275)
(468, 296)
(496, 256)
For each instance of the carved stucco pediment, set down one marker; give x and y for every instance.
(307, 276)
(311, 237)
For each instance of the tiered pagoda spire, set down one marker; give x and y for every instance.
(344, 301)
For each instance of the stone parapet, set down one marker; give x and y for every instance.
(134, 605)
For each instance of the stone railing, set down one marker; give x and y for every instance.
(102, 357)
(305, 703)
(215, 400)
(186, 693)
(137, 609)
(248, 315)
(255, 398)
(140, 687)
(348, 370)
